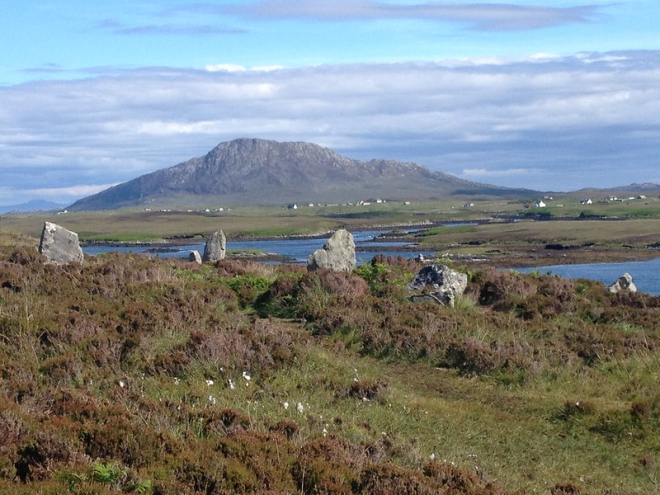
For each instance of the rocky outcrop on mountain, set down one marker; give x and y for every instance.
(624, 282)
(438, 283)
(338, 253)
(59, 245)
(215, 248)
(256, 171)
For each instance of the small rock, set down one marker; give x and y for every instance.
(195, 256)
(624, 282)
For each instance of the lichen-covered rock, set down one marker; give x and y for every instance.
(59, 245)
(338, 253)
(624, 282)
(438, 283)
(195, 256)
(215, 248)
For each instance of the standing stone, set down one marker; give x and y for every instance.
(438, 283)
(624, 282)
(195, 256)
(215, 248)
(59, 245)
(338, 253)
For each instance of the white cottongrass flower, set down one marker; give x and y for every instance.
(176, 381)
(325, 432)
(247, 376)
(300, 408)
(209, 383)
(122, 383)
(286, 405)
(432, 457)
(213, 400)
(232, 385)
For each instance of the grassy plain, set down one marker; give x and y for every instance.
(139, 225)
(532, 242)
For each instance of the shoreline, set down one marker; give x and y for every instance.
(498, 255)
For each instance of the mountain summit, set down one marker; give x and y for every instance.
(255, 171)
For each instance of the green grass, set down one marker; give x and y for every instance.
(601, 232)
(440, 231)
(125, 237)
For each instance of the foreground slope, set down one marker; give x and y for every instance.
(145, 375)
(254, 171)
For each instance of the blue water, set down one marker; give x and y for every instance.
(645, 274)
(296, 250)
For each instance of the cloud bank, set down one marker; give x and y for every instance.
(167, 29)
(548, 123)
(482, 16)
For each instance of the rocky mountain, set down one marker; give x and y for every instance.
(254, 171)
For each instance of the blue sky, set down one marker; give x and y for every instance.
(547, 95)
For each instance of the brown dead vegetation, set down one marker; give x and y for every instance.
(80, 344)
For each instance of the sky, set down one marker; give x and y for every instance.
(552, 96)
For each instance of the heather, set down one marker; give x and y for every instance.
(130, 374)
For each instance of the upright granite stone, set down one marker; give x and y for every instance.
(338, 253)
(215, 248)
(59, 245)
(195, 256)
(438, 283)
(624, 282)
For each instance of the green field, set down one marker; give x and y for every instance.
(138, 225)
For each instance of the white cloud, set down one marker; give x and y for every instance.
(483, 173)
(544, 56)
(71, 192)
(241, 68)
(225, 68)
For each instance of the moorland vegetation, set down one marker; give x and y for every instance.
(129, 374)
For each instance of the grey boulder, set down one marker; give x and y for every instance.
(195, 256)
(215, 248)
(337, 254)
(59, 245)
(624, 282)
(438, 283)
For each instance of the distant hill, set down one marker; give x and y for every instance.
(254, 171)
(646, 186)
(34, 205)
(635, 188)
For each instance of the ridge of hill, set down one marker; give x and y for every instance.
(256, 171)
